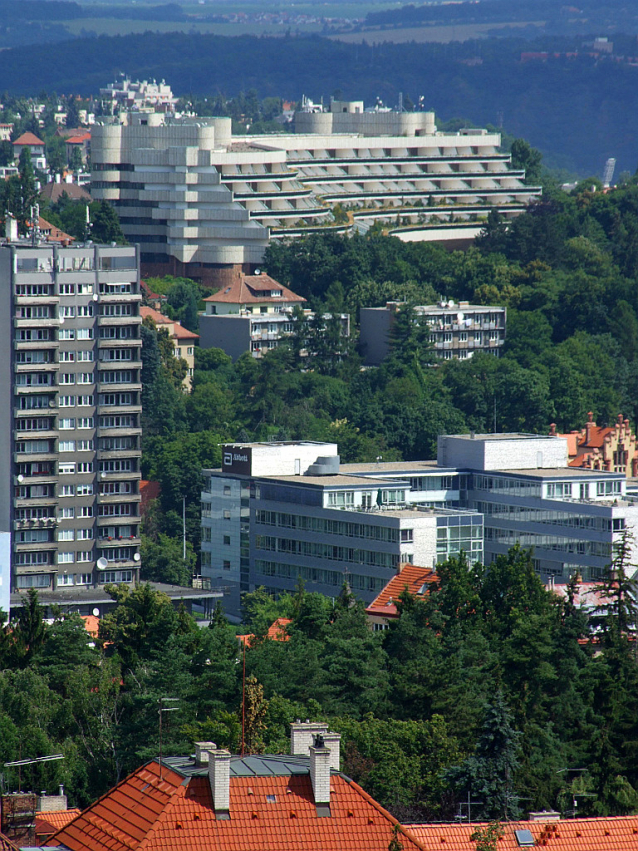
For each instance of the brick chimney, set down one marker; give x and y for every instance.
(202, 752)
(219, 779)
(333, 742)
(302, 734)
(320, 771)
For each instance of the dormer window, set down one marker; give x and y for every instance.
(276, 293)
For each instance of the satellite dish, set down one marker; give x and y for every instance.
(95, 296)
(257, 271)
(20, 478)
(102, 563)
(460, 317)
(61, 320)
(137, 557)
(96, 613)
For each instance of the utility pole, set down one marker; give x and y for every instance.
(162, 709)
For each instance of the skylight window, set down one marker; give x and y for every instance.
(271, 799)
(525, 838)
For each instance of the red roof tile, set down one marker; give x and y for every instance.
(586, 834)
(47, 823)
(28, 139)
(78, 140)
(53, 233)
(158, 318)
(255, 289)
(267, 813)
(417, 581)
(276, 632)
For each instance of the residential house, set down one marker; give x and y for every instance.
(80, 142)
(213, 800)
(412, 578)
(54, 191)
(5, 132)
(36, 148)
(276, 632)
(184, 341)
(610, 833)
(612, 448)
(52, 233)
(252, 314)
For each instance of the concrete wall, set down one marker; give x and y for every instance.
(374, 334)
(282, 460)
(498, 452)
(6, 425)
(230, 333)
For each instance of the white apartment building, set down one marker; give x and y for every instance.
(70, 436)
(456, 330)
(253, 314)
(202, 202)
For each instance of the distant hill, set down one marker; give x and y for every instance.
(578, 111)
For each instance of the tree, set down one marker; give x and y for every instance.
(528, 158)
(487, 837)
(254, 714)
(163, 560)
(106, 224)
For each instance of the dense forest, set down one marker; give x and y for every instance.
(488, 686)
(578, 110)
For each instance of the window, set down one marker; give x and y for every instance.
(66, 446)
(66, 467)
(66, 334)
(226, 490)
(67, 401)
(85, 401)
(407, 536)
(85, 534)
(65, 579)
(85, 310)
(84, 490)
(85, 334)
(608, 488)
(340, 499)
(66, 514)
(190, 350)
(85, 356)
(67, 289)
(85, 467)
(67, 357)
(66, 535)
(117, 576)
(66, 378)
(227, 540)
(66, 490)
(66, 424)
(85, 510)
(84, 578)
(66, 558)
(226, 565)
(85, 378)
(84, 445)
(226, 514)
(67, 312)
(559, 489)
(37, 581)
(85, 422)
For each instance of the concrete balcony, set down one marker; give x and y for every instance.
(119, 321)
(132, 541)
(36, 523)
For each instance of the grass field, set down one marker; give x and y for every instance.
(441, 34)
(111, 26)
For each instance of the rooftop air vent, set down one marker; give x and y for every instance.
(327, 465)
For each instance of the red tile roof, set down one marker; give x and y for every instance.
(47, 823)
(269, 811)
(91, 625)
(54, 191)
(28, 139)
(53, 233)
(276, 632)
(158, 318)
(78, 140)
(255, 289)
(7, 844)
(585, 834)
(416, 579)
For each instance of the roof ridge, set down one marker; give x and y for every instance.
(179, 791)
(382, 810)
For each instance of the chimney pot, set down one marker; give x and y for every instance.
(219, 779)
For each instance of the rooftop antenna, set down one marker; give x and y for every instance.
(18, 763)
(162, 709)
(468, 804)
(88, 225)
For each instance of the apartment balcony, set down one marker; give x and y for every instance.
(129, 431)
(26, 457)
(123, 476)
(118, 541)
(118, 498)
(24, 389)
(34, 546)
(116, 342)
(32, 434)
(120, 409)
(36, 523)
(120, 364)
(35, 345)
(124, 387)
(44, 322)
(111, 454)
(105, 321)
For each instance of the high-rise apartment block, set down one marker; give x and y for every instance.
(70, 369)
(204, 203)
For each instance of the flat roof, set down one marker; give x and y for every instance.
(515, 435)
(87, 596)
(336, 480)
(398, 466)
(554, 473)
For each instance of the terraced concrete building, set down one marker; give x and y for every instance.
(204, 203)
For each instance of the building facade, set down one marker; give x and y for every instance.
(70, 374)
(276, 513)
(204, 203)
(184, 341)
(455, 330)
(612, 448)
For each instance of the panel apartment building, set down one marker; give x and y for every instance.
(204, 203)
(455, 330)
(70, 436)
(277, 512)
